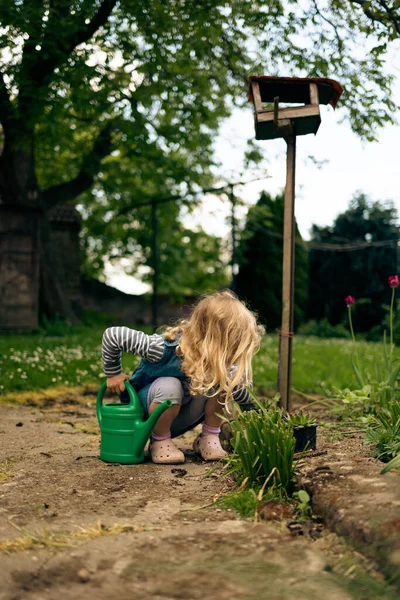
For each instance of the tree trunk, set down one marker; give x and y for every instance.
(19, 268)
(54, 298)
(29, 261)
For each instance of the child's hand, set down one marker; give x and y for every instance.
(116, 383)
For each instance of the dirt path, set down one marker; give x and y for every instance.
(72, 526)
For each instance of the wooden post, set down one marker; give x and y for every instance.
(155, 263)
(286, 333)
(233, 237)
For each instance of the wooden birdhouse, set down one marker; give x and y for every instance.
(274, 116)
(287, 107)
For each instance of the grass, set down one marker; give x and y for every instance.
(6, 471)
(36, 362)
(319, 365)
(263, 448)
(244, 502)
(53, 398)
(59, 539)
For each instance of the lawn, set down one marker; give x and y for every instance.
(32, 362)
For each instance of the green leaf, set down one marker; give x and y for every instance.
(393, 464)
(357, 372)
(303, 496)
(393, 375)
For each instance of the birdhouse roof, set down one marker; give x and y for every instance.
(295, 89)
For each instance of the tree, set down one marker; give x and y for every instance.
(260, 254)
(116, 101)
(189, 261)
(362, 255)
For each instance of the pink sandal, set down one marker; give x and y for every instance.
(209, 447)
(165, 452)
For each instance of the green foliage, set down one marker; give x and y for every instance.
(190, 261)
(57, 327)
(323, 329)
(384, 432)
(396, 323)
(118, 102)
(244, 502)
(382, 385)
(379, 397)
(303, 505)
(33, 362)
(378, 387)
(301, 420)
(263, 448)
(358, 401)
(393, 464)
(362, 273)
(260, 255)
(318, 365)
(92, 318)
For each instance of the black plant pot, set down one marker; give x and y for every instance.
(306, 438)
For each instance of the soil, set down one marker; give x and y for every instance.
(72, 526)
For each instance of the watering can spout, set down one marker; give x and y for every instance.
(146, 427)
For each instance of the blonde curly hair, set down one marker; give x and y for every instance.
(217, 343)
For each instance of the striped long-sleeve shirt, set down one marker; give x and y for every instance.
(150, 347)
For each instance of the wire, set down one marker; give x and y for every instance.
(349, 247)
(213, 190)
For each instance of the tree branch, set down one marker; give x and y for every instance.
(335, 29)
(395, 19)
(380, 17)
(69, 190)
(36, 70)
(85, 33)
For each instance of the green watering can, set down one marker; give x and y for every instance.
(124, 431)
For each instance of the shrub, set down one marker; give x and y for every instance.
(56, 327)
(323, 329)
(91, 318)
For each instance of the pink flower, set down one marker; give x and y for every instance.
(393, 281)
(349, 300)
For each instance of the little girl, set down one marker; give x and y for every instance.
(198, 365)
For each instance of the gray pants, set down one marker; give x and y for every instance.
(192, 408)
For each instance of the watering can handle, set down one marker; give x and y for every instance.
(102, 391)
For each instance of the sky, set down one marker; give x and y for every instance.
(322, 192)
